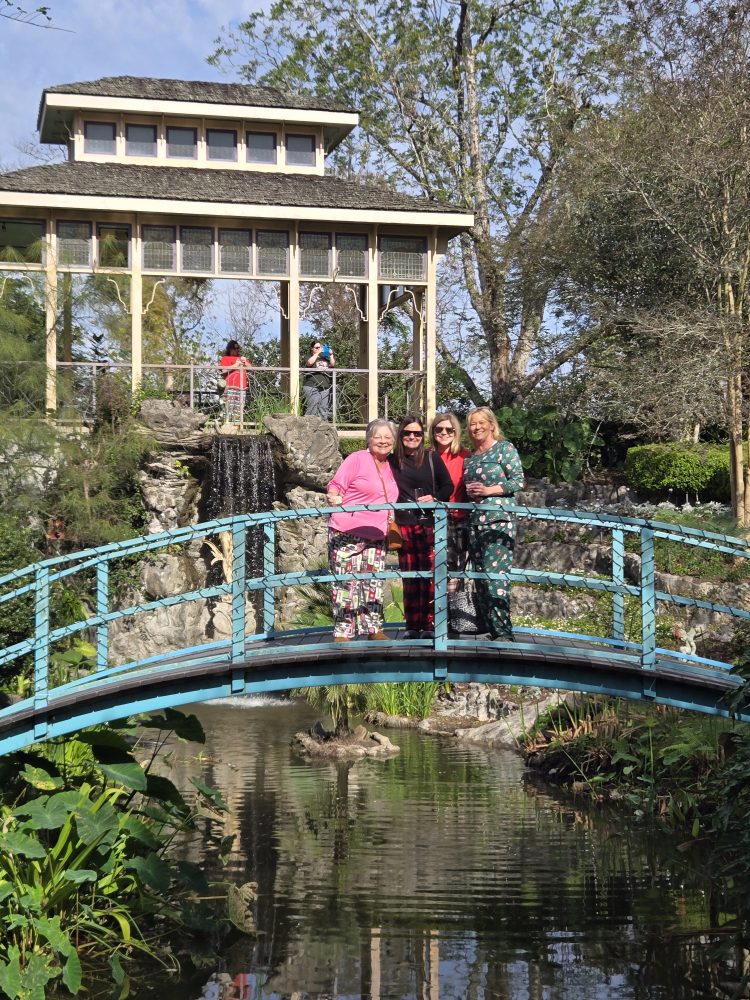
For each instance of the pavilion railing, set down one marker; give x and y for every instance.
(84, 387)
(630, 634)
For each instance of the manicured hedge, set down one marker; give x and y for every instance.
(695, 469)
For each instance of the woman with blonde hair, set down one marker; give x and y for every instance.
(445, 438)
(493, 474)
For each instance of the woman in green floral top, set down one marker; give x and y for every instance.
(493, 474)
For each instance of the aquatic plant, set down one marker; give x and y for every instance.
(86, 879)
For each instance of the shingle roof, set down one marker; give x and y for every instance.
(248, 187)
(152, 88)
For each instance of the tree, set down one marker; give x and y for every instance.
(674, 159)
(473, 101)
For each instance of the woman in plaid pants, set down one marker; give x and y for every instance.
(420, 476)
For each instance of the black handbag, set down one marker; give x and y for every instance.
(464, 615)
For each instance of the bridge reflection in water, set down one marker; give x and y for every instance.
(625, 663)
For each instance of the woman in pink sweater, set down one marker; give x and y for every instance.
(357, 541)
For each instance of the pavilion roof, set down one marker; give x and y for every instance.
(199, 91)
(191, 184)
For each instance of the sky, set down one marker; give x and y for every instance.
(163, 38)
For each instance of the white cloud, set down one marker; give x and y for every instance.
(166, 38)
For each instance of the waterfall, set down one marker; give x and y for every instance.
(242, 480)
(241, 477)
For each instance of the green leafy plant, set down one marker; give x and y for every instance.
(86, 875)
(696, 469)
(549, 443)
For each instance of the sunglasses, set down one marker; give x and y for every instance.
(444, 430)
(412, 434)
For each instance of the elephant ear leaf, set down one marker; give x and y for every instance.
(127, 773)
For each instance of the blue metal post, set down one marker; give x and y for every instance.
(441, 582)
(102, 607)
(618, 577)
(269, 567)
(238, 591)
(41, 648)
(648, 603)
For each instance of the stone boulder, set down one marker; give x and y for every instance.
(173, 425)
(171, 493)
(306, 450)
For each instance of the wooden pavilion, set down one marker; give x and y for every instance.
(221, 180)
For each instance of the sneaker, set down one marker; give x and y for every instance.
(379, 636)
(411, 633)
(427, 633)
(341, 638)
(503, 637)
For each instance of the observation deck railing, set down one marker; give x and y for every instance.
(82, 387)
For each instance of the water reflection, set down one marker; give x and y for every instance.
(433, 876)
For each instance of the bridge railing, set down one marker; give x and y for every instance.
(95, 569)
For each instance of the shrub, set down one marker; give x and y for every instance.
(683, 468)
(549, 443)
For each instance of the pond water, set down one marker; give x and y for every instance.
(440, 874)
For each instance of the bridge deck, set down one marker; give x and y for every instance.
(298, 659)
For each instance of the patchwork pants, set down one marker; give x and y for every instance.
(357, 604)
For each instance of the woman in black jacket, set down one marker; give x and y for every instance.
(421, 477)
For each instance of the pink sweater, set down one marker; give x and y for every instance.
(357, 480)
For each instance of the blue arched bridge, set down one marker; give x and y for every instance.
(626, 662)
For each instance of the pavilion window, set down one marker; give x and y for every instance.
(140, 140)
(114, 245)
(221, 144)
(273, 252)
(21, 241)
(99, 137)
(197, 249)
(158, 248)
(300, 150)
(351, 255)
(182, 143)
(74, 243)
(235, 251)
(402, 258)
(314, 256)
(260, 147)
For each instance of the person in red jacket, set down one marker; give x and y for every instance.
(234, 369)
(445, 438)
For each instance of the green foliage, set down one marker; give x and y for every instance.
(349, 445)
(683, 468)
(411, 699)
(86, 879)
(549, 443)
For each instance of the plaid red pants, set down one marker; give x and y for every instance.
(418, 552)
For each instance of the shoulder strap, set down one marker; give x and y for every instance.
(432, 471)
(380, 476)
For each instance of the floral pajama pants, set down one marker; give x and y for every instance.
(491, 551)
(357, 604)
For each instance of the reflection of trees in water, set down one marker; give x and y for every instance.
(438, 874)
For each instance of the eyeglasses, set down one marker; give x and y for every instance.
(444, 430)
(412, 434)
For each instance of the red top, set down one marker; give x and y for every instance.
(237, 378)
(455, 466)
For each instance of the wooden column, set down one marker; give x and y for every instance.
(368, 334)
(416, 396)
(289, 324)
(431, 328)
(136, 312)
(50, 317)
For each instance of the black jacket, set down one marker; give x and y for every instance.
(430, 477)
